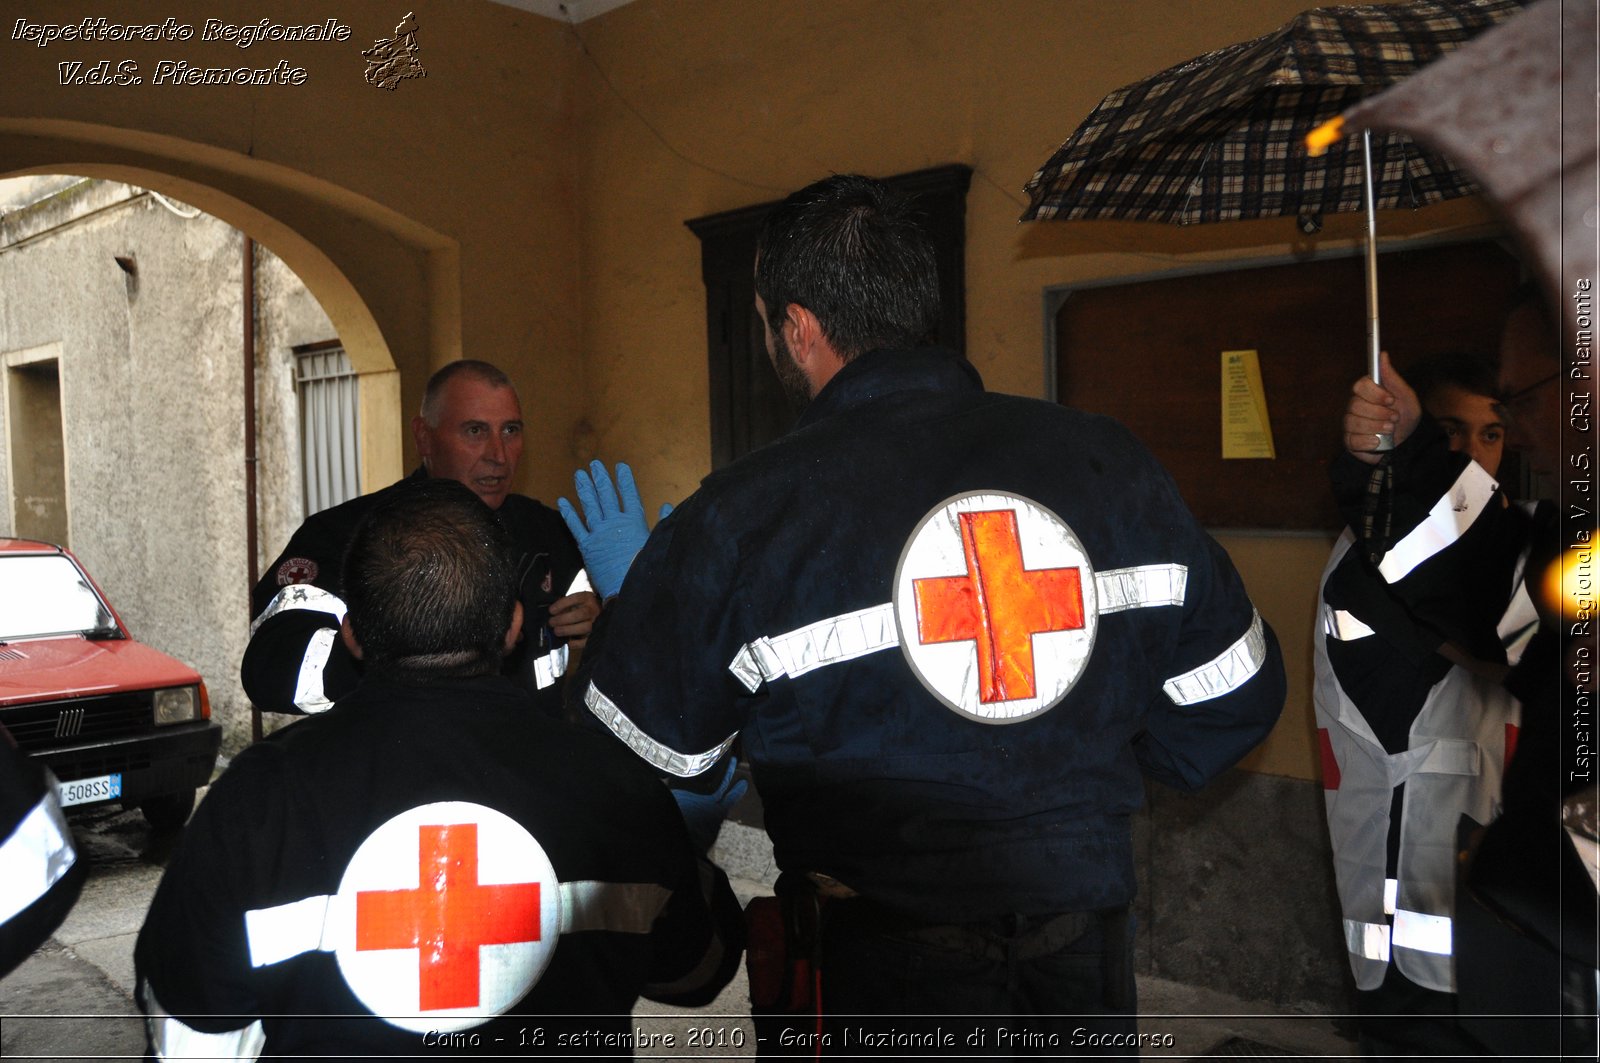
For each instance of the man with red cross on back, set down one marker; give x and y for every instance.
(432, 863)
(953, 632)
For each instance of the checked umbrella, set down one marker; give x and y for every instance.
(1222, 137)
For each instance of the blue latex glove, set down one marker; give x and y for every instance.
(611, 530)
(703, 813)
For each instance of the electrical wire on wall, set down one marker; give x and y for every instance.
(192, 212)
(655, 132)
(981, 173)
(1011, 195)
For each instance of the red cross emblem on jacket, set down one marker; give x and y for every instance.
(457, 912)
(448, 916)
(994, 599)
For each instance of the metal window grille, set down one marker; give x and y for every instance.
(330, 454)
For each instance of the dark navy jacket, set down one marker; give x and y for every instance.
(295, 662)
(942, 729)
(356, 882)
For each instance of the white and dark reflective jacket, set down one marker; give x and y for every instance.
(295, 662)
(1411, 743)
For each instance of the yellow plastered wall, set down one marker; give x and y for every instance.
(1282, 574)
(690, 107)
(524, 202)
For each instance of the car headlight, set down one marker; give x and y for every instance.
(176, 705)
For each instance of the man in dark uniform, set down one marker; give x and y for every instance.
(430, 863)
(952, 631)
(40, 871)
(469, 430)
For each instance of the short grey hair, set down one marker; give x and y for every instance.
(492, 375)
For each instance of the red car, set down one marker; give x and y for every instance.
(114, 719)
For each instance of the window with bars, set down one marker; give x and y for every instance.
(330, 456)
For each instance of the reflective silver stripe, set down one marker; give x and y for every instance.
(830, 641)
(1391, 891)
(1451, 516)
(623, 907)
(327, 923)
(1224, 674)
(1588, 854)
(1451, 756)
(1142, 587)
(300, 596)
(309, 695)
(1520, 622)
(1343, 626)
(683, 765)
(288, 930)
(1424, 933)
(553, 665)
(550, 667)
(1517, 627)
(35, 857)
(1369, 940)
(171, 1039)
(844, 638)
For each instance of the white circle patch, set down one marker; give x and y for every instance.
(297, 570)
(995, 599)
(455, 911)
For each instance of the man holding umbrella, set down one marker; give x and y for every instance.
(1460, 566)
(1415, 727)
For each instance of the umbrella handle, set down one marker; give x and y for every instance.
(1385, 440)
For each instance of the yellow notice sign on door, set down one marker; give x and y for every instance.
(1246, 429)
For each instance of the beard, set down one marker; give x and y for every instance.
(796, 388)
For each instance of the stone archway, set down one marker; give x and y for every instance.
(390, 285)
(395, 322)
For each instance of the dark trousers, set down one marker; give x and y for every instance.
(1525, 939)
(1015, 986)
(1401, 1018)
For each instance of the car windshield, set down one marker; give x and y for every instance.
(49, 596)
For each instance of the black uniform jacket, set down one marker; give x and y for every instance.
(945, 726)
(419, 852)
(295, 663)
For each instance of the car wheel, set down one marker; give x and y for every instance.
(169, 811)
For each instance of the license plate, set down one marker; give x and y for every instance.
(100, 788)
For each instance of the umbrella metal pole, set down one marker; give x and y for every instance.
(1385, 440)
